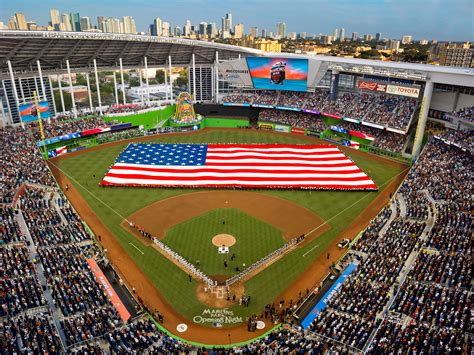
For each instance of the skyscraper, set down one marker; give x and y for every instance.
(239, 30)
(406, 39)
(129, 25)
(355, 35)
(212, 30)
(335, 34)
(254, 31)
(21, 21)
(66, 23)
(228, 23)
(187, 28)
(165, 29)
(75, 22)
(264, 33)
(367, 38)
(203, 29)
(55, 19)
(342, 34)
(85, 23)
(158, 27)
(281, 30)
(102, 23)
(378, 36)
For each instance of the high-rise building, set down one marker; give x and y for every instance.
(66, 23)
(21, 21)
(187, 28)
(177, 31)
(406, 39)
(281, 30)
(423, 42)
(165, 29)
(203, 29)
(85, 23)
(456, 55)
(394, 45)
(55, 19)
(335, 34)
(342, 34)
(264, 33)
(158, 27)
(367, 38)
(239, 30)
(378, 37)
(113, 25)
(254, 32)
(227, 23)
(75, 22)
(212, 30)
(129, 25)
(355, 36)
(292, 35)
(12, 23)
(102, 23)
(303, 35)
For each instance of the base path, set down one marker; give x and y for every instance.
(134, 276)
(292, 219)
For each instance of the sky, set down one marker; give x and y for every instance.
(423, 19)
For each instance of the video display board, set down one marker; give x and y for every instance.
(29, 113)
(278, 73)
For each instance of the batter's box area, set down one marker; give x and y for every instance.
(237, 165)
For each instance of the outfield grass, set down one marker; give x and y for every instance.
(339, 207)
(193, 240)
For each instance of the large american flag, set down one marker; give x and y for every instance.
(237, 165)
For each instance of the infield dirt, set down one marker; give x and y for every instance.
(134, 277)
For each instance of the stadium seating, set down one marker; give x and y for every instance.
(410, 293)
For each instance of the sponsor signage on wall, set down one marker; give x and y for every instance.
(281, 128)
(297, 130)
(371, 86)
(403, 91)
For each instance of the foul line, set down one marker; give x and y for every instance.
(90, 193)
(310, 250)
(345, 209)
(133, 245)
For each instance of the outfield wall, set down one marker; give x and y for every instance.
(216, 122)
(147, 119)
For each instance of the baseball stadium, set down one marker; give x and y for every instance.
(279, 203)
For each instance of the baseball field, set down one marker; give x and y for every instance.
(187, 220)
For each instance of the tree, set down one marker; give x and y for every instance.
(67, 100)
(160, 76)
(182, 79)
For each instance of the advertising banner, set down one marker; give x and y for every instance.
(278, 73)
(281, 128)
(321, 305)
(121, 126)
(262, 106)
(331, 115)
(371, 86)
(395, 130)
(287, 108)
(90, 132)
(235, 104)
(403, 91)
(28, 112)
(339, 129)
(108, 289)
(316, 112)
(313, 133)
(353, 120)
(297, 130)
(235, 72)
(370, 124)
(265, 126)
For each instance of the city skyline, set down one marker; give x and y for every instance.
(389, 17)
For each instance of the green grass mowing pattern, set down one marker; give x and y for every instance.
(172, 282)
(193, 240)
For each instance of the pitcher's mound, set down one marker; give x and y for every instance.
(223, 240)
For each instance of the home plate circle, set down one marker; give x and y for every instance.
(182, 327)
(260, 325)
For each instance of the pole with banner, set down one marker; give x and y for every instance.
(40, 124)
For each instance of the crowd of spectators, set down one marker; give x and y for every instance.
(292, 118)
(461, 138)
(382, 109)
(430, 310)
(464, 113)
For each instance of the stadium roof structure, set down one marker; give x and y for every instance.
(411, 71)
(52, 49)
